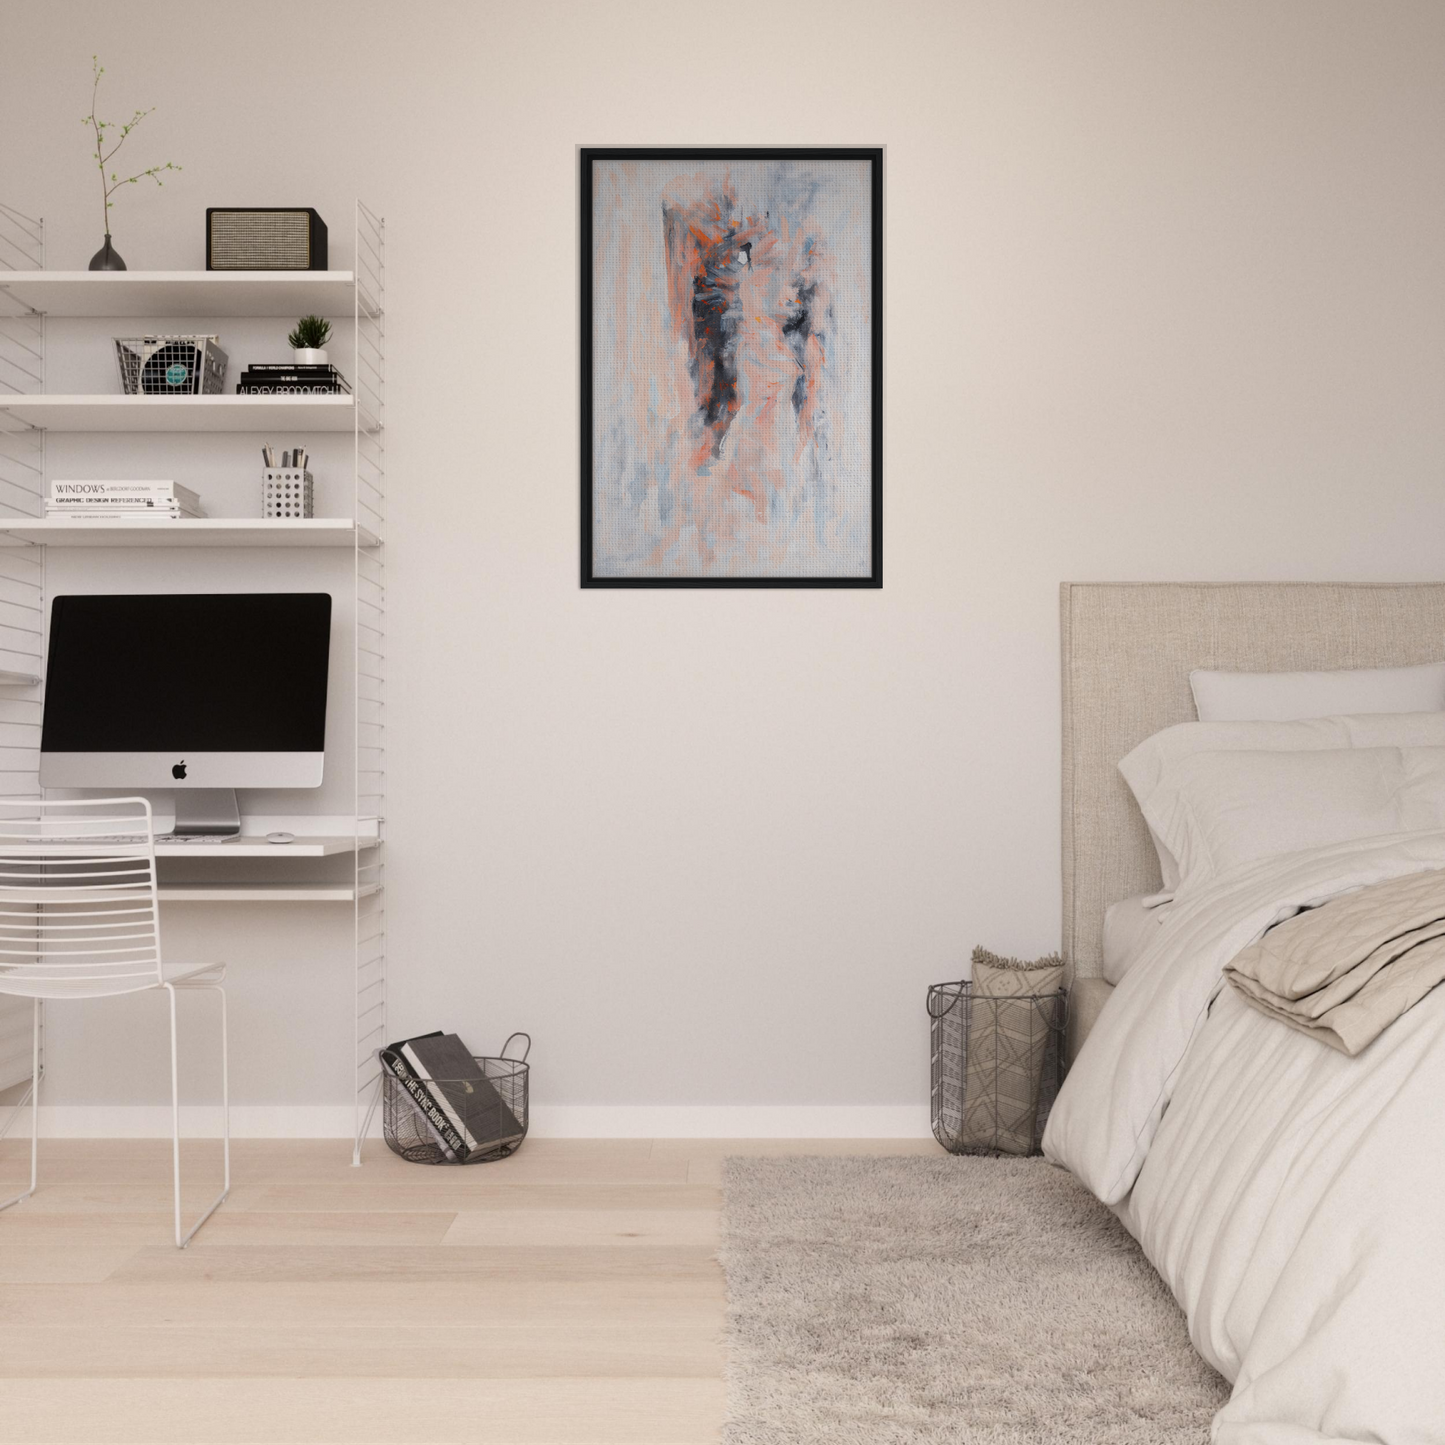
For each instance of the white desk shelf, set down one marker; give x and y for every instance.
(31, 297)
(247, 847)
(101, 412)
(285, 294)
(261, 892)
(186, 532)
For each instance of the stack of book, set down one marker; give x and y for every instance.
(288, 379)
(458, 1104)
(153, 500)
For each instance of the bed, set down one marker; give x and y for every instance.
(1293, 1198)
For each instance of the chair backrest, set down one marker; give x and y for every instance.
(78, 904)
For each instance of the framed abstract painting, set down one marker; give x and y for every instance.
(732, 367)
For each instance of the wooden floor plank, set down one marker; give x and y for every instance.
(95, 1199)
(445, 1196)
(568, 1228)
(148, 1161)
(228, 1225)
(205, 1264)
(361, 1412)
(478, 1352)
(66, 1263)
(121, 1305)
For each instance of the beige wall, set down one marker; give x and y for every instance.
(1164, 300)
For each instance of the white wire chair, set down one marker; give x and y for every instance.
(79, 918)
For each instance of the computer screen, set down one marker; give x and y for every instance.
(206, 690)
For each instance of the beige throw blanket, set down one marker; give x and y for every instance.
(1008, 1036)
(1346, 971)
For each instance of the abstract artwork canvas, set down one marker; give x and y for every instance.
(732, 368)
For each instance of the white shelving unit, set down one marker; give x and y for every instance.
(29, 294)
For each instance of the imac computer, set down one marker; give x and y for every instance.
(199, 693)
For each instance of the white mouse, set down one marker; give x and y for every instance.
(280, 837)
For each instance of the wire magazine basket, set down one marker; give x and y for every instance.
(170, 365)
(997, 1064)
(408, 1132)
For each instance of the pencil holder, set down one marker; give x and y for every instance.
(286, 492)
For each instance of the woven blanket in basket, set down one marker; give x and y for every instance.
(1007, 1035)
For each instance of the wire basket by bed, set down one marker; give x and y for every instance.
(997, 1064)
(407, 1132)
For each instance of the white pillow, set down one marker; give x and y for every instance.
(1145, 768)
(1283, 696)
(1217, 811)
(1130, 926)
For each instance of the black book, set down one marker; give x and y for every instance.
(310, 368)
(281, 378)
(275, 386)
(394, 1061)
(470, 1101)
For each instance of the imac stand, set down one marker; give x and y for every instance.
(207, 813)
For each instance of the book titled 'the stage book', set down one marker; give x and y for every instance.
(461, 1106)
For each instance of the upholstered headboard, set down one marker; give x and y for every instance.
(1128, 648)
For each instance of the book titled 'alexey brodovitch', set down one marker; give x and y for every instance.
(461, 1106)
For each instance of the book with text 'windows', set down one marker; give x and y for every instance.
(475, 1112)
(428, 1110)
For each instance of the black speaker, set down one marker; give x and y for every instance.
(265, 238)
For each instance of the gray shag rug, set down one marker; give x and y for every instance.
(973, 1301)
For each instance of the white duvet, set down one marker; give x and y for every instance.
(1293, 1198)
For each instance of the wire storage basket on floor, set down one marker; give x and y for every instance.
(997, 1064)
(410, 1133)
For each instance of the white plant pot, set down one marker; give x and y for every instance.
(309, 356)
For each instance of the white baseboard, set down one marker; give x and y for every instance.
(549, 1121)
(731, 1121)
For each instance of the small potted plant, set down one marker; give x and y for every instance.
(308, 341)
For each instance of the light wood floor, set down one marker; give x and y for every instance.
(566, 1296)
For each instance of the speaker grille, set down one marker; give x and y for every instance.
(260, 241)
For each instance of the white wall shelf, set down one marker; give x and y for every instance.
(186, 532)
(100, 412)
(260, 892)
(285, 294)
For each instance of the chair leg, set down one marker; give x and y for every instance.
(183, 1240)
(34, 1093)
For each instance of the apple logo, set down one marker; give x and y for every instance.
(179, 771)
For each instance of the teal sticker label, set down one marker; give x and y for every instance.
(176, 374)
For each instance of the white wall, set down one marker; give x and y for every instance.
(1164, 300)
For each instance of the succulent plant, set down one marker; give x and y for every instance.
(311, 334)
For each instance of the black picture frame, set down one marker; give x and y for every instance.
(590, 155)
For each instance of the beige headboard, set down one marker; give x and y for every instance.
(1127, 651)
